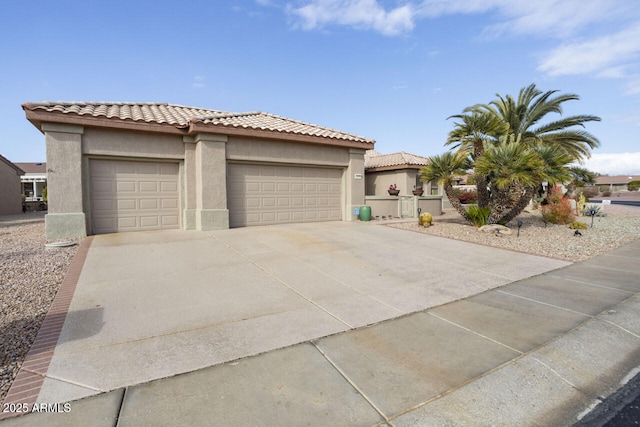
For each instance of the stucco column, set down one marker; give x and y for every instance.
(189, 184)
(210, 164)
(355, 183)
(65, 217)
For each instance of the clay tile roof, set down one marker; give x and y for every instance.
(181, 116)
(374, 160)
(39, 168)
(145, 112)
(620, 179)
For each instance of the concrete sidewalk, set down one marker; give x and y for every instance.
(537, 351)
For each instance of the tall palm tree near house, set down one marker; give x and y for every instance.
(473, 131)
(508, 122)
(443, 168)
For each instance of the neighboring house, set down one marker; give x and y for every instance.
(403, 171)
(615, 183)
(114, 167)
(10, 196)
(399, 169)
(34, 182)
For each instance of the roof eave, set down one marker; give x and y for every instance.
(392, 168)
(38, 117)
(199, 127)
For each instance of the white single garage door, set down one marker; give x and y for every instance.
(269, 194)
(133, 196)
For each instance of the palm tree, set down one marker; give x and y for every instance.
(511, 168)
(580, 177)
(523, 115)
(507, 121)
(470, 136)
(443, 168)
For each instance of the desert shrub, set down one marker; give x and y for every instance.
(606, 193)
(558, 208)
(633, 186)
(466, 197)
(578, 225)
(478, 215)
(589, 192)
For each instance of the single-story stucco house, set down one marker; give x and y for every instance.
(615, 183)
(10, 195)
(114, 167)
(34, 181)
(402, 170)
(399, 169)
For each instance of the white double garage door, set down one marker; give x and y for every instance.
(140, 195)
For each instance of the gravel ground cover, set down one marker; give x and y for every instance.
(31, 274)
(620, 226)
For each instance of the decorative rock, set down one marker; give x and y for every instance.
(495, 228)
(425, 219)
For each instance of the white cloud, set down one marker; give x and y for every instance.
(600, 38)
(614, 164)
(605, 56)
(362, 14)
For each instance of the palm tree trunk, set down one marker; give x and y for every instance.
(519, 206)
(455, 202)
(481, 180)
(500, 202)
(482, 191)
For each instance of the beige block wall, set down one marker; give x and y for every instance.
(10, 197)
(377, 183)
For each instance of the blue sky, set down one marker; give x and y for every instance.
(388, 70)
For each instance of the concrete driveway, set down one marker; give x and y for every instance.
(151, 305)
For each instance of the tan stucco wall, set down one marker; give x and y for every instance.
(10, 197)
(255, 150)
(66, 217)
(377, 183)
(112, 142)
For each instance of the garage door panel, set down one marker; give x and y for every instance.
(283, 187)
(125, 168)
(284, 202)
(170, 220)
(149, 186)
(126, 205)
(169, 186)
(103, 186)
(268, 194)
(169, 203)
(127, 222)
(125, 186)
(149, 204)
(132, 196)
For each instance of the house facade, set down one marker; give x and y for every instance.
(402, 171)
(10, 195)
(615, 183)
(399, 169)
(142, 166)
(33, 183)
